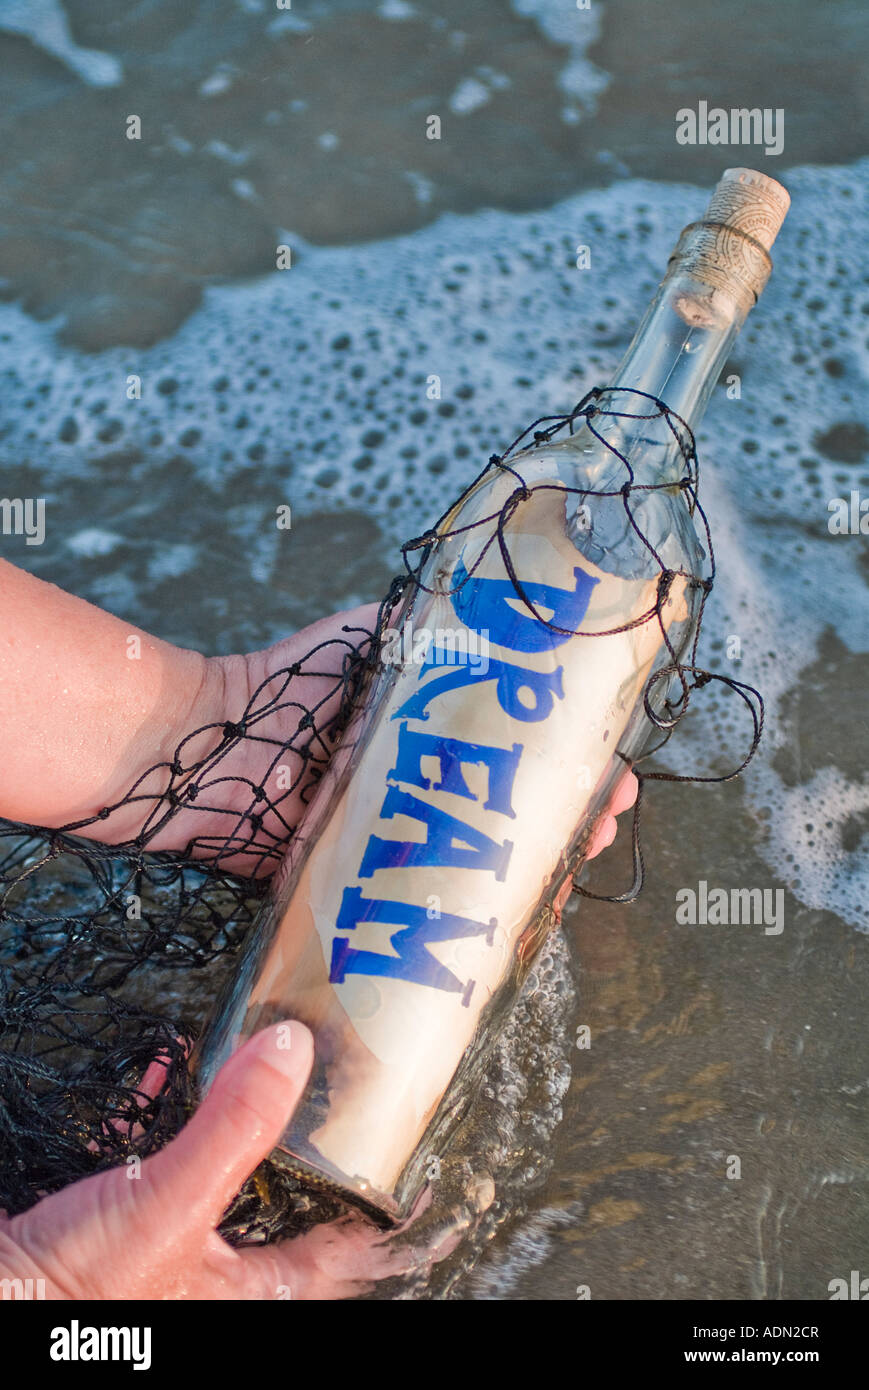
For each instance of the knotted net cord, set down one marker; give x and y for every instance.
(89, 995)
(686, 673)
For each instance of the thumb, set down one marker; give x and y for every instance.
(237, 1125)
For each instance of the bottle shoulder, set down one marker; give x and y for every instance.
(629, 518)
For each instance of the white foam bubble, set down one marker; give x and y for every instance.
(577, 29)
(94, 541)
(47, 27)
(525, 1249)
(469, 96)
(396, 9)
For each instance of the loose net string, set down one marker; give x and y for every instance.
(91, 992)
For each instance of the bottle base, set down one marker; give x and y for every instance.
(378, 1207)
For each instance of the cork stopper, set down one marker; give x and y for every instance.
(750, 202)
(729, 247)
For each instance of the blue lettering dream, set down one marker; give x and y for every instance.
(525, 695)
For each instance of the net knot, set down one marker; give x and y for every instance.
(665, 583)
(231, 730)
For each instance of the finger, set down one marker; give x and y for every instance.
(358, 620)
(625, 794)
(358, 623)
(152, 1083)
(348, 1256)
(622, 799)
(155, 1075)
(236, 1126)
(338, 1260)
(343, 1259)
(604, 834)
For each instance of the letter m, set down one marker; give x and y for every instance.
(746, 127)
(411, 959)
(12, 511)
(118, 1339)
(746, 906)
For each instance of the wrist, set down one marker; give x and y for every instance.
(202, 694)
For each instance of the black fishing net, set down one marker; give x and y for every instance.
(112, 955)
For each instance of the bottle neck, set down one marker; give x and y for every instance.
(681, 346)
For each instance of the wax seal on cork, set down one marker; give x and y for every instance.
(729, 247)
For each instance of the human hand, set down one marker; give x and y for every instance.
(93, 711)
(269, 753)
(114, 1236)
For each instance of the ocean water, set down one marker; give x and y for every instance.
(413, 259)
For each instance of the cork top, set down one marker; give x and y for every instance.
(750, 202)
(729, 247)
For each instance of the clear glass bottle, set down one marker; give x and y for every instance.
(425, 876)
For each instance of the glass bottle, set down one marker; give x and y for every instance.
(512, 689)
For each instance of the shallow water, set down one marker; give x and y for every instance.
(455, 258)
